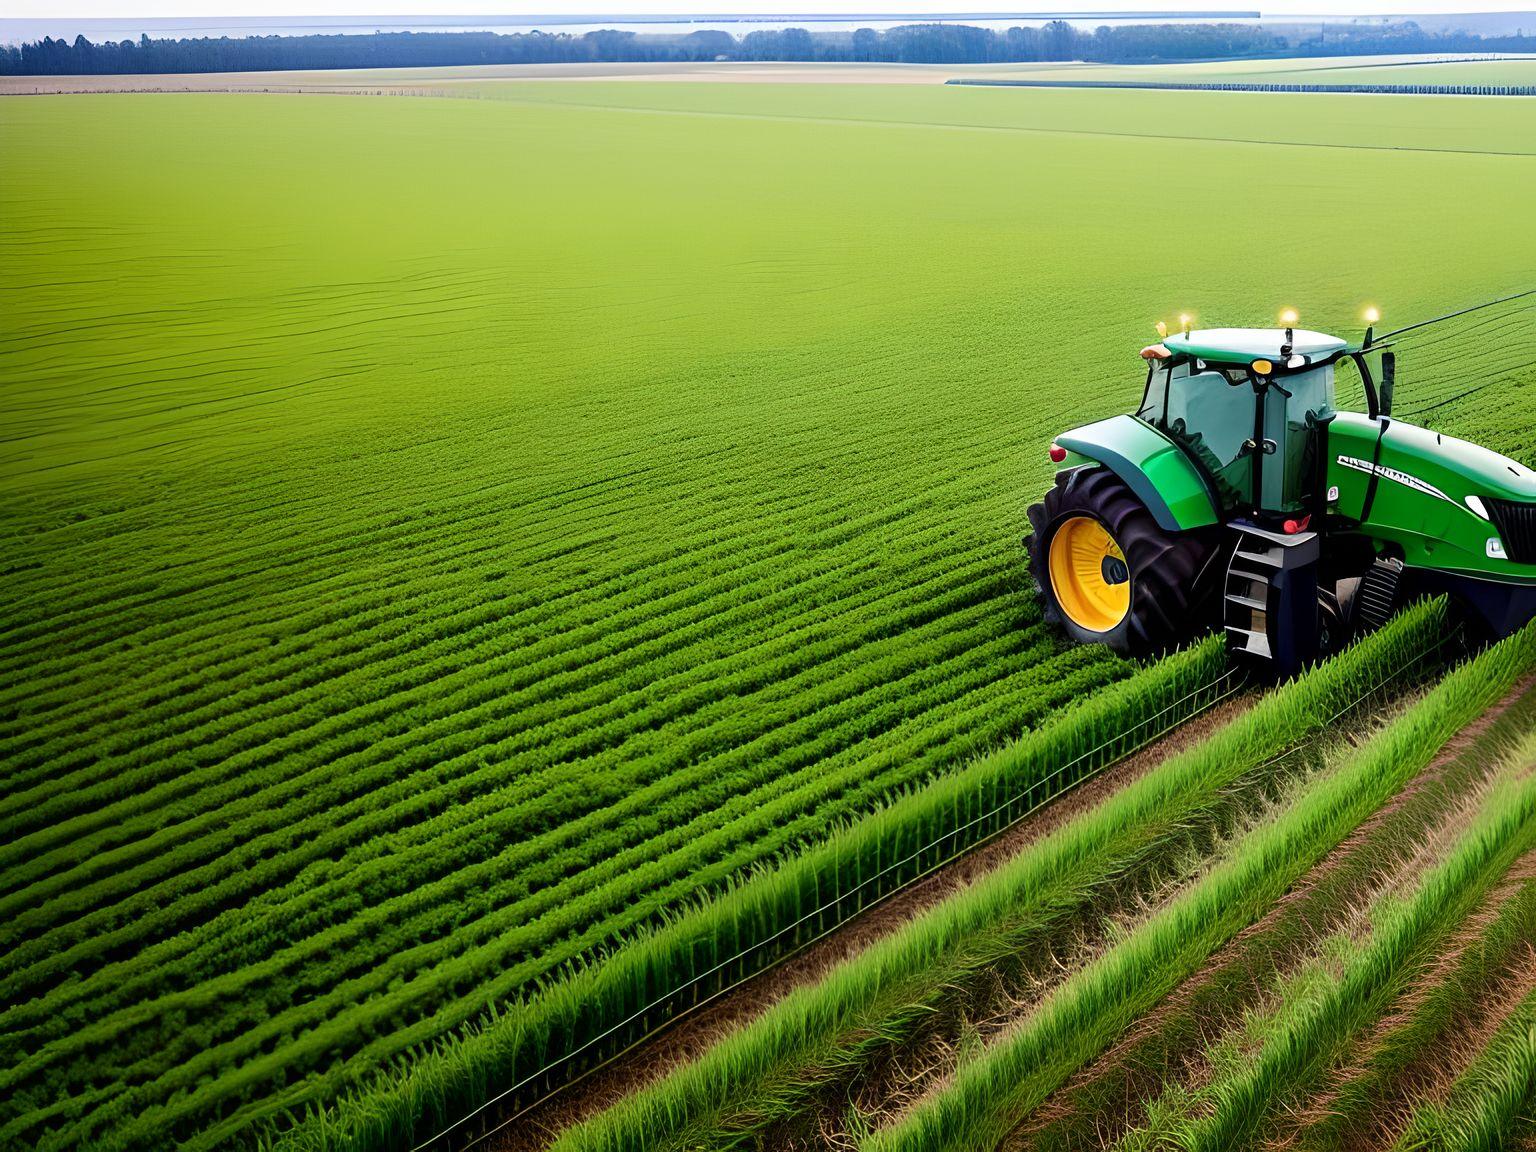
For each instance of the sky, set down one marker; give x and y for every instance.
(1276, 8)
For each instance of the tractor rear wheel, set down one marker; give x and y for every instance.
(1109, 575)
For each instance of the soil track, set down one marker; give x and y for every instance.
(688, 1038)
(1431, 1075)
(1169, 1041)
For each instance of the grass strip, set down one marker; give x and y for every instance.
(811, 892)
(1431, 1023)
(1090, 1009)
(1489, 1100)
(767, 1062)
(1285, 941)
(1402, 932)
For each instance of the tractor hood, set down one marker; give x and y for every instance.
(1446, 501)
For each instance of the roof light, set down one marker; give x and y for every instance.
(1372, 315)
(1184, 322)
(1162, 330)
(1288, 317)
(1058, 453)
(1263, 367)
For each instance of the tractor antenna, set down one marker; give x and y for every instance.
(1460, 312)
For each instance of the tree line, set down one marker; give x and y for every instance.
(908, 44)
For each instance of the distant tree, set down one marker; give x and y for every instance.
(796, 44)
(1059, 41)
(608, 44)
(941, 44)
(761, 45)
(1022, 44)
(708, 45)
(914, 43)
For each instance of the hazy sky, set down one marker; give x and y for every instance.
(45, 8)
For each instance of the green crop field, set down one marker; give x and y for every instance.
(466, 560)
(956, 1030)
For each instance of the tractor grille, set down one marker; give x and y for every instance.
(1516, 523)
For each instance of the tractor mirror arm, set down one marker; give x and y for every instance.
(1372, 401)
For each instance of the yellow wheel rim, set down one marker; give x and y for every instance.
(1089, 576)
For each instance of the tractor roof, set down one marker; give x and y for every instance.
(1245, 345)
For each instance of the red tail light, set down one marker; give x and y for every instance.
(1294, 526)
(1058, 453)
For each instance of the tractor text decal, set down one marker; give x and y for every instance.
(1393, 474)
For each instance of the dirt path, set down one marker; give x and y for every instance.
(688, 1038)
(1432, 1072)
(1108, 1096)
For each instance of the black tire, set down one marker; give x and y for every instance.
(1332, 630)
(1173, 576)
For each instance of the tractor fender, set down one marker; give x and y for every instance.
(1155, 468)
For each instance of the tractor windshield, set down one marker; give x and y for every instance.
(1211, 416)
(1211, 410)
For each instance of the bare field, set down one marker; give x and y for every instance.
(460, 80)
(433, 80)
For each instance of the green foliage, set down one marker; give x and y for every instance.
(771, 913)
(988, 1096)
(1271, 971)
(1489, 1100)
(1437, 1019)
(1503, 831)
(755, 1069)
(445, 539)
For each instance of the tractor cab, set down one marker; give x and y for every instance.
(1250, 406)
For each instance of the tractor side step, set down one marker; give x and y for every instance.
(1250, 643)
(1269, 604)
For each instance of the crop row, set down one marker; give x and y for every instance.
(569, 513)
(391, 804)
(989, 1094)
(403, 896)
(550, 687)
(433, 612)
(954, 675)
(1315, 1028)
(755, 1072)
(526, 884)
(312, 836)
(1345, 1044)
(517, 1043)
(262, 796)
(653, 834)
(716, 943)
(460, 552)
(1285, 956)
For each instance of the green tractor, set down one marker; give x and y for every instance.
(1237, 496)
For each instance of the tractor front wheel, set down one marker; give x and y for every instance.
(1109, 575)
